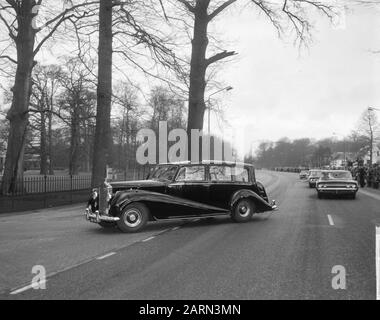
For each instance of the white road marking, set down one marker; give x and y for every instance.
(23, 289)
(331, 221)
(175, 228)
(106, 256)
(148, 239)
(377, 248)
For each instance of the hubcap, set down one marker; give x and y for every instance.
(132, 218)
(244, 209)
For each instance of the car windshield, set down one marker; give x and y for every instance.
(163, 173)
(331, 175)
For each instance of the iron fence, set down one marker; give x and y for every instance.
(37, 192)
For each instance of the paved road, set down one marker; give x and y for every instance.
(287, 255)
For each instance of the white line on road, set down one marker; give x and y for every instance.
(23, 289)
(377, 248)
(175, 228)
(148, 239)
(331, 221)
(106, 256)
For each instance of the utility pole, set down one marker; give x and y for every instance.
(371, 109)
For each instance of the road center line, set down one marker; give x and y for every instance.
(148, 239)
(331, 221)
(106, 256)
(23, 289)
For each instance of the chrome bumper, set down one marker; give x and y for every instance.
(274, 206)
(95, 217)
(337, 190)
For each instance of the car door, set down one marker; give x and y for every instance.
(221, 185)
(225, 181)
(190, 184)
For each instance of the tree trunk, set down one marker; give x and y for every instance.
(18, 113)
(43, 146)
(74, 141)
(103, 139)
(198, 67)
(50, 133)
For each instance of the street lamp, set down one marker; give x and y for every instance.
(209, 104)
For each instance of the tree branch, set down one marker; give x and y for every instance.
(9, 58)
(220, 56)
(187, 5)
(220, 9)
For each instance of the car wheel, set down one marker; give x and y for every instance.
(353, 197)
(320, 195)
(243, 210)
(107, 225)
(133, 218)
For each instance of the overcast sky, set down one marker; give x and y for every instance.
(280, 92)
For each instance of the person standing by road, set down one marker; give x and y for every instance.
(362, 176)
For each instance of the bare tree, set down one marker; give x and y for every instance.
(129, 119)
(284, 15)
(77, 109)
(120, 32)
(368, 128)
(19, 18)
(45, 86)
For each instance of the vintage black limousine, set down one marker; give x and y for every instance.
(185, 191)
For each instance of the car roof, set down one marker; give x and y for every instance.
(214, 162)
(332, 170)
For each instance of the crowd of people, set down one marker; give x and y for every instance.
(367, 176)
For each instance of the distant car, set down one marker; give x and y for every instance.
(185, 191)
(337, 182)
(314, 176)
(304, 174)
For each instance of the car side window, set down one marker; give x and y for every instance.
(220, 173)
(240, 175)
(191, 173)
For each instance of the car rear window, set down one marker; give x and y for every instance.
(228, 173)
(220, 173)
(191, 173)
(240, 175)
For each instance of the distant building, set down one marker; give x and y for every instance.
(375, 155)
(341, 159)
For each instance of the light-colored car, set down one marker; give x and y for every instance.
(314, 176)
(337, 182)
(304, 174)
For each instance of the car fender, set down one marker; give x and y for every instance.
(245, 193)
